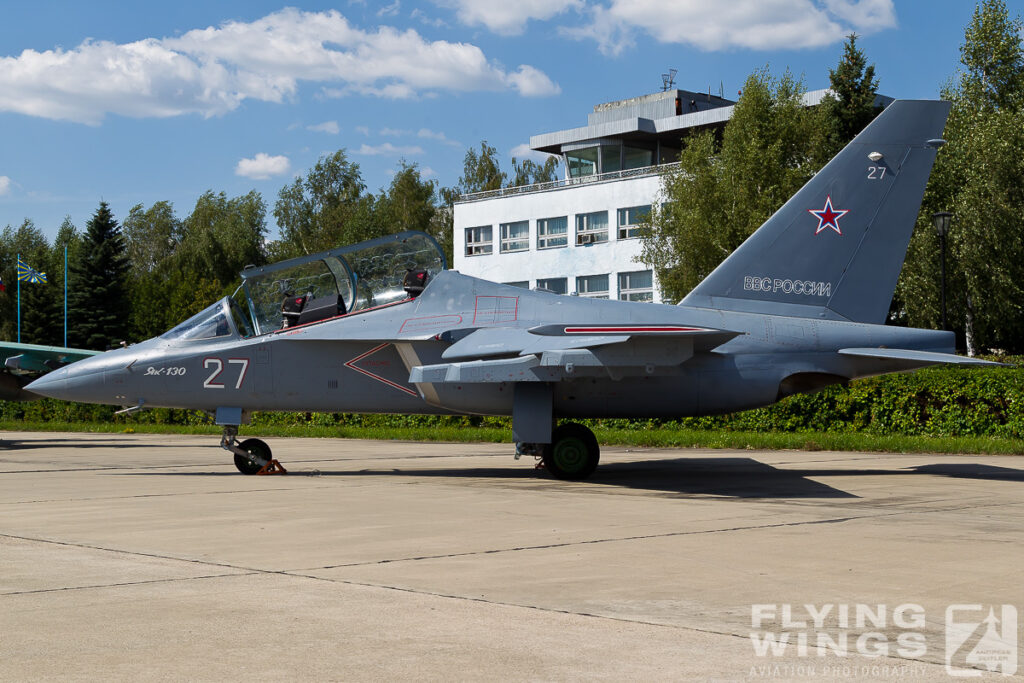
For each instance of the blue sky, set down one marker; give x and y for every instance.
(141, 102)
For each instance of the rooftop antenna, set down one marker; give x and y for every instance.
(668, 80)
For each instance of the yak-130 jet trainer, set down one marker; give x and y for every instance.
(383, 327)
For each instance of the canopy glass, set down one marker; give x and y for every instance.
(352, 278)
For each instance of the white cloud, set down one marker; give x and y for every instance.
(428, 134)
(523, 151)
(751, 24)
(212, 71)
(610, 33)
(507, 18)
(5, 185)
(329, 127)
(424, 19)
(864, 15)
(387, 149)
(262, 166)
(390, 10)
(532, 83)
(362, 129)
(136, 79)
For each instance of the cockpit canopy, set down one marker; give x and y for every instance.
(223, 319)
(318, 286)
(345, 280)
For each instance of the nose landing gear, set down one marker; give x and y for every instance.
(252, 456)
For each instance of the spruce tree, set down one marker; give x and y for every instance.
(851, 104)
(97, 294)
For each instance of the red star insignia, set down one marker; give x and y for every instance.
(829, 217)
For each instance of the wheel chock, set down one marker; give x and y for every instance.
(273, 467)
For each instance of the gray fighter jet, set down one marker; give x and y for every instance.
(383, 327)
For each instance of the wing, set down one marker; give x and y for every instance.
(35, 358)
(553, 352)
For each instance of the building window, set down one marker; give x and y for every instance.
(634, 157)
(637, 286)
(553, 232)
(515, 236)
(593, 286)
(557, 285)
(525, 284)
(611, 158)
(629, 220)
(582, 162)
(478, 241)
(591, 227)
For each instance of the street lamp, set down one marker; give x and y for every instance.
(941, 220)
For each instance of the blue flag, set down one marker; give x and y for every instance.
(29, 274)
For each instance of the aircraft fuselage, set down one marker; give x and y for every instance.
(320, 367)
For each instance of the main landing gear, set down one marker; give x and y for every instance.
(252, 456)
(572, 455)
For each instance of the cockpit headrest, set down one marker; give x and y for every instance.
(415, 281)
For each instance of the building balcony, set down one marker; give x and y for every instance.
(567, 182)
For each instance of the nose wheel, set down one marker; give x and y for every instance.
(252, 456)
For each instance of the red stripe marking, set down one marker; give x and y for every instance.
(600, 330)
(351, 364)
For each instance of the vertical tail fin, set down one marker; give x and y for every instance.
(835, 249)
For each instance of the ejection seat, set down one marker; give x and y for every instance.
(415, 281)
(322, 308)
(300, 310)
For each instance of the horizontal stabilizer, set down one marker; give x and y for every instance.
(930, 357)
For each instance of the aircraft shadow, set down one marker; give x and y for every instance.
(17, 445)
(734, 477)
(972, 471)
(731, 477)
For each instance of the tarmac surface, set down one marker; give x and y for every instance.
(136, 556)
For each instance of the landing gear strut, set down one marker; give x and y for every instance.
(252, 456)
(573, 453)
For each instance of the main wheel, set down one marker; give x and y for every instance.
(260, 453)
(573, 452)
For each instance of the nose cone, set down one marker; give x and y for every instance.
(49, 385)
(82, 381)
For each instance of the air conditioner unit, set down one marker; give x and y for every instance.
(584, 239)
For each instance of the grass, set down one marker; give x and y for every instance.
(653, 438)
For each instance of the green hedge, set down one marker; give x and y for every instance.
(940, 401)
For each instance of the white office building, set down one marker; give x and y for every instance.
(578, 235)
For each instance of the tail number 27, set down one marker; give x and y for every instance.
(217, 367)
